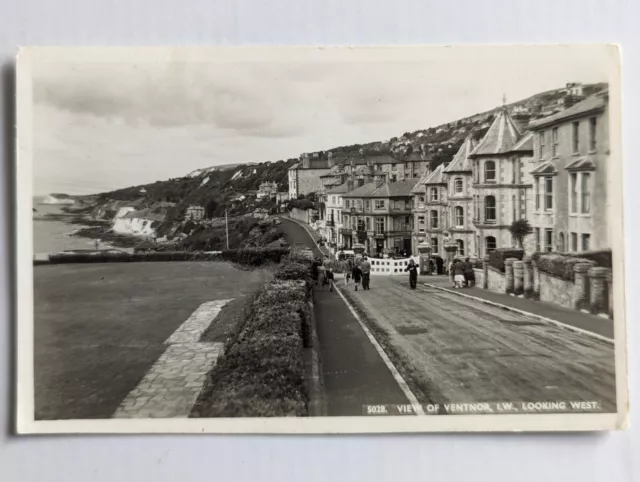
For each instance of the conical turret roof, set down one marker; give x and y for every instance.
(501, 137)
(461, 161)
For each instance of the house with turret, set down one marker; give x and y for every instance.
(501, 183)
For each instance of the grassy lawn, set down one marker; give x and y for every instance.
(100, 327)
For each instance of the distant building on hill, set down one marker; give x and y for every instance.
(575, 89)
(282, 196)
(267, 189)
(194, 213)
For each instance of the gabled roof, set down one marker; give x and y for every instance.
(392, 189)
(544, 168)
(582, 164)
(593, 103)
(525, 144)
(501, 137)
(437, 176)
(461, 161)
(419, 188)
(341, 189)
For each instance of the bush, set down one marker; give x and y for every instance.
(261, 373)
(558, 265)
(602, 258)
(497, 257)
(254, 256)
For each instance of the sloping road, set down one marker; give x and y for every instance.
(453, 349)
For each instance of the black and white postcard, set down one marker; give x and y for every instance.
(320, 240)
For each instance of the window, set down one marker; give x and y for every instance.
(489, 171)
(360, 182)
(513, 208)
(548, 240)
(537, 194)
(421, 224)
(420, 201)
(586, 238)
(476, 172)
(576, 137)
(434, 219)
(574, 242)
(379, 225)
(457, 185)
(367, 222)
(592, 133)
(561, 242)
(541, 138)
(406, 165)
(379, 203)
(460, 244)
(434, 245)
(537, 234)
(394, 178)
(490, 244)
(459, 216)
(333, 199)
(414, 174)
(585, 194)
(554, 141)
(548, 193)
(367, 204)
(346, 203)
(514, 165)
(490, 209)
(434, 194)
(573, 187)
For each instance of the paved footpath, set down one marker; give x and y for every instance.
(173, 383)
(355, 370)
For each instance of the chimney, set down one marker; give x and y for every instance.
(305, 161)
(380, 180)
(352, 163)
(349, 185)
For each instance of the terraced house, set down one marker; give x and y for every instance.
(501, 183)
(571, 156)
(379, 213)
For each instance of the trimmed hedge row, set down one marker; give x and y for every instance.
(602, 257)
(261, 373)
(558, 265)
(497, 257)
(248, 256)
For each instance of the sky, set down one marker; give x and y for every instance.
(100, 125)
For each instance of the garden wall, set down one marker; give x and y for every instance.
(301, 215)
(496, 281)
(479, 276)
(556, 290)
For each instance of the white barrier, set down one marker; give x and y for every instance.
(390, 267)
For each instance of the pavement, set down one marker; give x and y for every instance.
(573, 318)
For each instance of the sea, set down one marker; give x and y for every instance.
(53, 235)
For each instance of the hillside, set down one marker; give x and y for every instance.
(215, 188)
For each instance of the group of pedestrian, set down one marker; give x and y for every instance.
(322, 272)
(360, 271)
(461, 273)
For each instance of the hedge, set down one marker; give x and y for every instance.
(602, 257)
(558, 265)
(261, 373)
(497, 257)
(249, 256)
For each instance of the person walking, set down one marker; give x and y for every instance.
(366, 273)
(412, 268)
(315, 272)
(356, 273)
(469, 274)
(321, 273)
(452, 267)
(458, 274)
(348, 271)
(329, 278)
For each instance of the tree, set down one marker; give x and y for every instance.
(520, 229)
(210, 209)
(362, 236)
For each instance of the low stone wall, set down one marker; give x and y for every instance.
(300, 215)
(479, 277)
(495, 280)
(556, 290)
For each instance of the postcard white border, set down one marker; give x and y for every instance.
(25, 423)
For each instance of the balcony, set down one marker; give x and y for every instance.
(399, 232)
(346, 231)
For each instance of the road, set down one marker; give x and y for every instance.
(452, 349)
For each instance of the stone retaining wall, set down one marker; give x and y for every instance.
(495, 280)
(556, 290)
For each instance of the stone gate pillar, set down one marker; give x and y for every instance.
(424, 251)
(598, 287)
(518, 278)
(485, 270)
(508, 275)
(581, 293)
(528, 277)
(536, 280)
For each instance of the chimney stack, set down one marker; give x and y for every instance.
(330, 160)
(349, 185)
(305, 161)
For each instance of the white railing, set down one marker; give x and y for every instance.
(390, 267)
